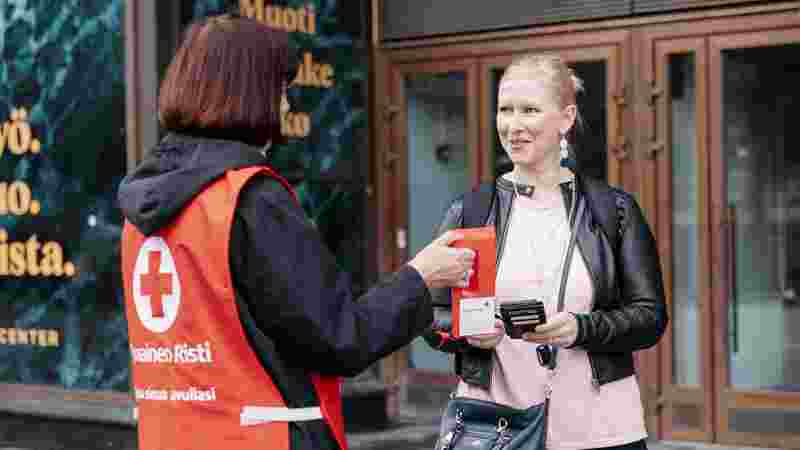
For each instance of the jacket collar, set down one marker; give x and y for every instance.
(527, 189)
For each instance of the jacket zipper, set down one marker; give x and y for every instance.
(595, 377)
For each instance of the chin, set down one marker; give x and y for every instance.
(521, 156)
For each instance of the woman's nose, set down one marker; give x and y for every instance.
(514, 122)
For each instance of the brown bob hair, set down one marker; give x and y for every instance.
(226, 81)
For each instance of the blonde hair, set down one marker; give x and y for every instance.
(551, 69)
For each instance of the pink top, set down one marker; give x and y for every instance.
(581, 415)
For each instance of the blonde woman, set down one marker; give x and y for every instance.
(613, 296)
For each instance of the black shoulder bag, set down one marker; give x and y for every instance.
(470, 424)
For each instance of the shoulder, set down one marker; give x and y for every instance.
(614, 207)
(481, 192)
(453, 214)
(266, 196)
(600, 190)
(262, 187)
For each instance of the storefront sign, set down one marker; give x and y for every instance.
(62, 154)
(328, 119)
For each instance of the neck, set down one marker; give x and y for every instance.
(542, 178)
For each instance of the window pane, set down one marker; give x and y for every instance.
(61, 312)
(684, 220)
(437, 152)
(760, 138)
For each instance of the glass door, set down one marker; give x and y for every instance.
(756, 222)
(674, 168)
(433, 161)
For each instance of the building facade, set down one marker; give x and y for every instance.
(687, 105)
(78, 96)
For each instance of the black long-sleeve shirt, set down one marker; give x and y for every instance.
(296, 306)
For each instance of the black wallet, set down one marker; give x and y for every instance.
(522, 316)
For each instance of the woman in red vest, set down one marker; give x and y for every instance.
(239, 321)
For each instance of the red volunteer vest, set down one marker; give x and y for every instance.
(194, 372)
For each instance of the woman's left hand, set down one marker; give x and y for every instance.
(561, 330)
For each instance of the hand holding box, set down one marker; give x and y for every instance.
(474, 305)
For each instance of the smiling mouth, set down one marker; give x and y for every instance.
(517, 143)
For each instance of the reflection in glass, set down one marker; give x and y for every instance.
(684, 220)
(589, 140)
(437, 169)
(760, 94)
(68, 75)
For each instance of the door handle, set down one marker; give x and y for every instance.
(730, 259)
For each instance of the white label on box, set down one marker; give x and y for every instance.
(476, 316)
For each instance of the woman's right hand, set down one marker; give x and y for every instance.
(443, 266)
(489, 341)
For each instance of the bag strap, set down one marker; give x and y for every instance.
(567, 262)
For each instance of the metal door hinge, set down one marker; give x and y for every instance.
(390, 111)
(622, 97)
(655, 93)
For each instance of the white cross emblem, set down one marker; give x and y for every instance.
(156, 286)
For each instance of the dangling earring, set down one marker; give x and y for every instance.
(564, 149)
(566, 161)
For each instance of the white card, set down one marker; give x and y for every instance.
(476, 316)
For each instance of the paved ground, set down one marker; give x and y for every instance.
(418, 429)
(414, 436)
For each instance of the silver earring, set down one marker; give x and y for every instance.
(265, 148)
(564, 147)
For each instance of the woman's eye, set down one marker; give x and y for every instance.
(530, 110)
(504, 109)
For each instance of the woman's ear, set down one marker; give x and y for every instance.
(570, 113)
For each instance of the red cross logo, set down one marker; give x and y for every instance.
(156, 284)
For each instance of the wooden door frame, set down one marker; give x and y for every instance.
(727, 397)
(656, 170)
(393, 200)
(641, 164)
(399, 135)
(654, 167)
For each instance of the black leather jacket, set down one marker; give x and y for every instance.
(628, 311)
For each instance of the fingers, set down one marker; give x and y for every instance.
(562, 330)
(555, 341)
(464, 281)
(553, 323)
(485, 342)
(489, 341)
(466, 255)
(448, 238)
